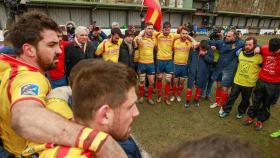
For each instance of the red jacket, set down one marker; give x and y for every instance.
(58, 72)
(270, 71)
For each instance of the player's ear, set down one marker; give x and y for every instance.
(29, 50)
(103, 115)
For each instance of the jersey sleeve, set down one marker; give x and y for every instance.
(60, 107)
(31, 86)
(120, 41)
(155, 34)
(176, 36)
(100, 49)
(155, 40)
(136, 40)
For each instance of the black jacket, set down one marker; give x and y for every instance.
(124, 56)
(73, 54)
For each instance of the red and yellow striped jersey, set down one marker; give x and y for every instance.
(18, 81)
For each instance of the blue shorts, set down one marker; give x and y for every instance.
(227, 78)
(135, 64)
(181, 71)
(148, 69)
(165, 66)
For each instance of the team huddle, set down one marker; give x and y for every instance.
(237, 66)
(98, 106)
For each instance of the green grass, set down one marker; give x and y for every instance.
(160, 127)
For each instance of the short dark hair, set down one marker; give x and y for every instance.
(148, 24)
(179, 29)
(255, 41)
(136, 33)
(28, 28)
(204, 44)
(128, 33)
(101, 83)
(60, 30)
(116, 31)
(274, 44)
(166, 24)
(213, 145)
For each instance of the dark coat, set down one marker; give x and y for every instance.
(124, 56)
(73, 54)
(199, 68)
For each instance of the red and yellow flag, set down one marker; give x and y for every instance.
(153, 14)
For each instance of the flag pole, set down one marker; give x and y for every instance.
(142, 6)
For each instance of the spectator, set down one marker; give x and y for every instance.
(57, 75)
(131, 28)
(7, 47)
(126, 55)
(96, 35)
(70, 26)
(115, 25)
(195, 29)
(80, 48)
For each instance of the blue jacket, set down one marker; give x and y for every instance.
(130, 148)
(228, 59)
(7, 50)
(199, 68)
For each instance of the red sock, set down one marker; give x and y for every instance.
(150, 92)
(174, 90)
(224, 97)
(180, 90)
(141, 90)
(167, 89)
(159, 88)
(188, 95)
(218, 95)
(197, 94)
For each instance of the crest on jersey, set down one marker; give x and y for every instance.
(29, 89)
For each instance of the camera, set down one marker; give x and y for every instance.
(215, 34)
